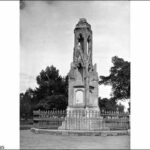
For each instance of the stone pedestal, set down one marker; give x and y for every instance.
(83, 119)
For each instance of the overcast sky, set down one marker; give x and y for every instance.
(47, 38)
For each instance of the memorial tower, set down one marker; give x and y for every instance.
(83, 77)
(83, 111)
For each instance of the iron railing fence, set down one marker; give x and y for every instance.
(116, 120)
(48, 119)
(54, 119)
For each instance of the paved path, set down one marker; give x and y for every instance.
(29, 140)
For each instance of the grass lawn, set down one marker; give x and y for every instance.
(29, 140)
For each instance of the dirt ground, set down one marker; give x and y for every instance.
(29, 140)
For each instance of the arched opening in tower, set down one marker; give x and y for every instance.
(88, 44)
(80, 69)
(89, 51)
(81, 41)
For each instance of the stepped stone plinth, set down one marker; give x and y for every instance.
(83, 120)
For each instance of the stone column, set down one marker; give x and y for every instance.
(86, 85)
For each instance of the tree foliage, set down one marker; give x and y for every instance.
(54, 102)
(51, 93)
(119, 78)
(50, 83)
(26, 104)
(109, 105)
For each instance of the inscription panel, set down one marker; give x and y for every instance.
(79, 97)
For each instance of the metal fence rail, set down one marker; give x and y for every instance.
(116, 120)
(55, 119)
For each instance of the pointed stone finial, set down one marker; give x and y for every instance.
(83, 24)
(82, 20)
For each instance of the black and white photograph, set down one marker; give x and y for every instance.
(74, 75)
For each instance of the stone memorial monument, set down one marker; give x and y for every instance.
(83, 112)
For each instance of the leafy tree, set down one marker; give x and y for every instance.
(119, 79)
(26, 104)
(54, 102)
(51, 93)
(50, 83)
(129, 109)
(107, 104)
(110, 105)
(120, 108)
(52, 90)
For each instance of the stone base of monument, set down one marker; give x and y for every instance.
(83, 119)
(83, 123)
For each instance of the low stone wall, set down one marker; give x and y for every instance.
(80, 132)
